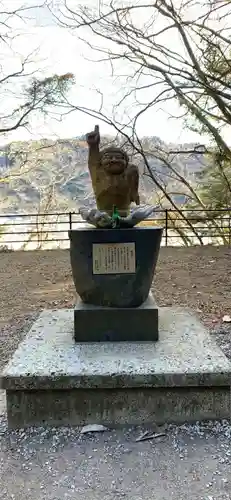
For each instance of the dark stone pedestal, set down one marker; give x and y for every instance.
(114, 267)
(100, 324)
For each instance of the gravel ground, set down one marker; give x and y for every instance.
(61, 464)
(51, 464)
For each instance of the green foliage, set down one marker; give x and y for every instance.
(40, 96)
(47, 92)
(51, 90)
(216, 60)
(213, 99)
(215, 186)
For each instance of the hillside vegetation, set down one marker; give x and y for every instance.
(53, 175)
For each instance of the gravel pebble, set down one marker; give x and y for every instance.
(53, 463)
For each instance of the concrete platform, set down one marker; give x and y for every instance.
(117, 324)
(182, 377)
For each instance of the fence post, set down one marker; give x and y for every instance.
(166, 227)
(70, 221)
(230, 228)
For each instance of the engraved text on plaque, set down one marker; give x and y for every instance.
(114, 258)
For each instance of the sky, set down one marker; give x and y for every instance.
(59, 51)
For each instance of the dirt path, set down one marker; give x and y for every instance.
(197, 277)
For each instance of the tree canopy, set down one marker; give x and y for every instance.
(172, 53)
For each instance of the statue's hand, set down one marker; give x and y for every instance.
(93, 138)
(96, 217)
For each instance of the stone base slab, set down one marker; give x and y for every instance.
(114, 407)
(54, 380)
(114, 324)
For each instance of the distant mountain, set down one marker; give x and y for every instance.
(53, 176)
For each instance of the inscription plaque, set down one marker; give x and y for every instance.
(117, 258)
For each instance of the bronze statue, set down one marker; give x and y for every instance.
(115, 181)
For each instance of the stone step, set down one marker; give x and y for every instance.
(53, 380)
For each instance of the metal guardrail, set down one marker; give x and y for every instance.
(183, 224)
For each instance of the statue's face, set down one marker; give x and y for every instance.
(114, 161)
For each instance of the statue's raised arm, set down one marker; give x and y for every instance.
(115, 181)
(93, 141)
